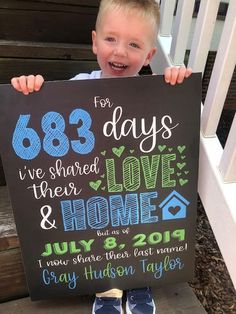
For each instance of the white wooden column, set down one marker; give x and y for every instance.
(202, 37)
(221, 75)
(181, 31)
(167, 15)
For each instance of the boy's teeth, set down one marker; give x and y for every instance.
(118, 65)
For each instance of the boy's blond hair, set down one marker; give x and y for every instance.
(146, 8)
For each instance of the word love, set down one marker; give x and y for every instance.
(154, 169)
(143, 130)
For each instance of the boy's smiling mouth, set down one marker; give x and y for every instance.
(118, 66)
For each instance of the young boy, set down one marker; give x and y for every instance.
(124, 42)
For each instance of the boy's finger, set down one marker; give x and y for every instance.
(15, 84)
(167, 75)
(174, 75)
(189, 71)
(30, 81)
(23, 84)
(181, 75)
(38, 82)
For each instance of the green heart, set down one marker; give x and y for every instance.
(183, 181)
(102, 176)
(161, 148)
(103, 152)
(95, 184)
(118, 151)
(170, 149)
(179, 174)
(181, 148)
(181, 165)
(183, 157)
(131, 151)
(103, 188)
(186, 172)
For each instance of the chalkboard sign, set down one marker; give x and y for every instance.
(102, 176)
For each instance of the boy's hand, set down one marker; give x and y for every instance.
(27, 84)
(175, 75)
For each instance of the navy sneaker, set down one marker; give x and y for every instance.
(107, 306)
(140, 301)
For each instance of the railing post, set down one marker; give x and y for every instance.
(167, 15)
(221, 75)
(181, 31)
(203, 34)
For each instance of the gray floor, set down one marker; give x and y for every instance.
(173, 299)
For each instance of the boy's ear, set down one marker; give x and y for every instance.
(150, 56)
(94, 41)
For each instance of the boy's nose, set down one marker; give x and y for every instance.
(120, 50)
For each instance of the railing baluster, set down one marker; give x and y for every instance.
(167, 15)
(181, 31)
(228, 160)
(221, 75)
(203, 34)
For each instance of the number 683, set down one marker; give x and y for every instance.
(27, 143)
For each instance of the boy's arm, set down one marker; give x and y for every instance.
(175, 75)
(27, 84)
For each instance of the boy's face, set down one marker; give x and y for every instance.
(123, 43)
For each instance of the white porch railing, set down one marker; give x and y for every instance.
(217, 173)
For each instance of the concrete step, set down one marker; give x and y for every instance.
(178, 298)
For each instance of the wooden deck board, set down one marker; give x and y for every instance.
(177, 298)
(12, 277)
(8, 234)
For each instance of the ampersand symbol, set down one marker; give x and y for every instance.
(45, 219)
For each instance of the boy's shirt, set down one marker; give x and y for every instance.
(88, 76)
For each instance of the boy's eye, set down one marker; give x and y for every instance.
(134, 45)
(110, 39)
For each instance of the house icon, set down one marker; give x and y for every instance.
(174, 207)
